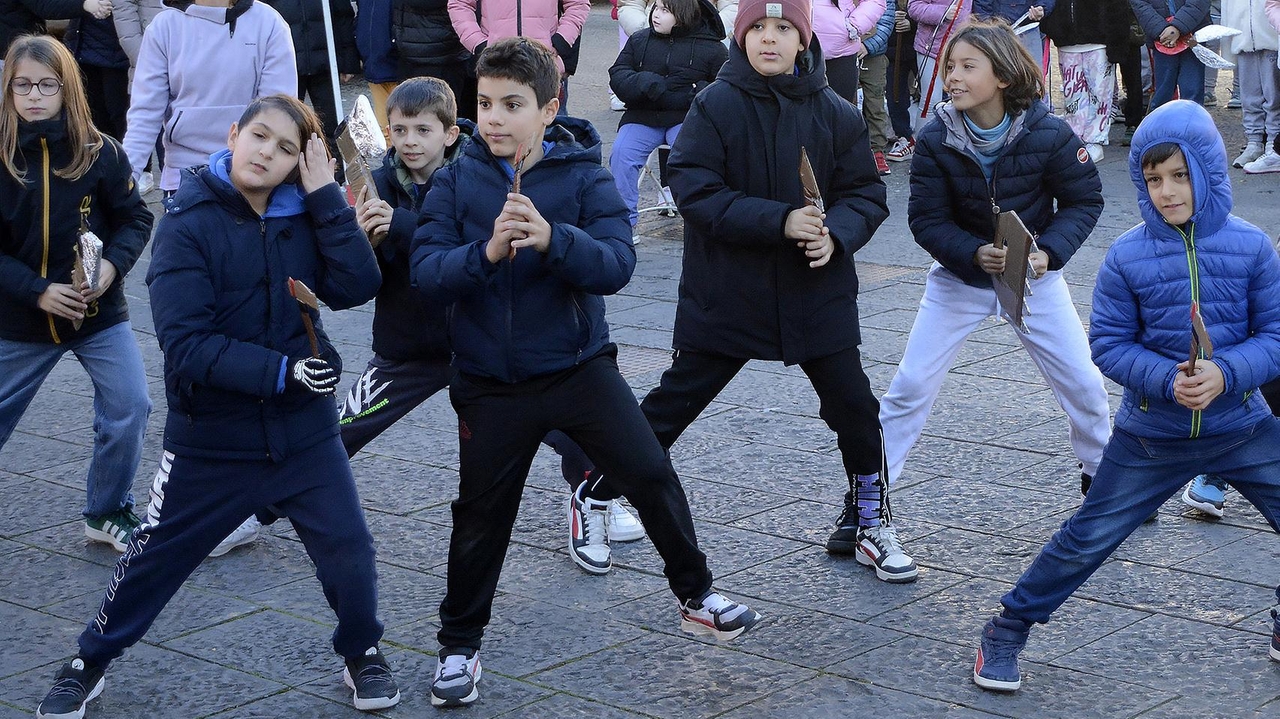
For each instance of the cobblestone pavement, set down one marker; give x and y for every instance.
(1175, 625)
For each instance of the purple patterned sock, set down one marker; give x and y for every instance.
(868, 489)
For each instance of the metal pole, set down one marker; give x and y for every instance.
(333, 62)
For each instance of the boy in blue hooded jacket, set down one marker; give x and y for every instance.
(524, 259)
(1177, 418)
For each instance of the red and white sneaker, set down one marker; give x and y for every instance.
(713, 614)
(902, 150)
(881, 166)
(879, 547)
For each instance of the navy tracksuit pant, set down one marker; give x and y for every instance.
(197, 502)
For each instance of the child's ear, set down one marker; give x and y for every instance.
(549, 111)
(231, 137)
(451, 135)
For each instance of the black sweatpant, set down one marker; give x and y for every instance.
(387, 391)
(195, 503)
(107, 90)
(1135, 95)
(499, 428)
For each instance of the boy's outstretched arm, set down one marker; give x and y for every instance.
(1114, 329)
(443, 265)
(856, 196)
(697, 172)
(1076, 187)
(596, 256)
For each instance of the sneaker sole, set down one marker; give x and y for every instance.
(628, 535)
(97, 535)
(1275, 653)
(1203, 507)
(584, 564)
(474, 695)
(1268, 171)
(839, 547)
(367, 705)
(688, 626)
(79, 713)
(220, 550)
(903, 577)
(891, 158)
(996, 685)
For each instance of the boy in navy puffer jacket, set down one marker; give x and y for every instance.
(1190, 255)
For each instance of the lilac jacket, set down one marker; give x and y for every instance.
(834, 24)
(199, 67)
(931, 28)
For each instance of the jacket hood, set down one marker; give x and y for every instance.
(1190, 126)
(711, 25)
(572, 140)
(392, 161)
(811, 75)
(221, 16)
(957, 135)
(212, 183)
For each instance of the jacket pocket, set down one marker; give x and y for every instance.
(201, 128)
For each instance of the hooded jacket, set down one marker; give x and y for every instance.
(539, 312)
(952, 206)
(131, 18)
(406, 326)
(554, 23)
(659, 75)
(840, 24)
(932, 28)
(1153, 16)
(19, 17)
(247, 48)
(226, 321)
(305, 19)
(746, 290)
(424, 34)
(1141, 328)
(1256, 30)
(39, 231)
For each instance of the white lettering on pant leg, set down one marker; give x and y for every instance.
(139, 539)
(362, 394)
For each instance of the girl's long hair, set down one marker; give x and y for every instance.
(686, 13)
(83, 138)
(1010, 61)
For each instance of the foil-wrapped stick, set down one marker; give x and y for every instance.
(809, 182)
(87, 267)
(362, 146)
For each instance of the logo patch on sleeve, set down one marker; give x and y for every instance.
(1082, 155)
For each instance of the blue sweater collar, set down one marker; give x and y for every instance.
(285, 201)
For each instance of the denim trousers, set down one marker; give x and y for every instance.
(631, 149)
(1182, 72)
(1135, 477)
(120, 404)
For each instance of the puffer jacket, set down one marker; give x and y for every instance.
(746, 290)
(659, 75)
(374, 32)
(305, 19)
(479, 22)
(1080, 22)
(952, 206)
(19, 17)
(839, 25)
(1153, 16)
(94, 42)
(132, 18)
(424, 34)
(633, 15)
(1009, 10)
(1250, 18)
(1272, 8)
(539, 312)
(1141, 324)
(225, 320)
(878, 44)
(932, 30)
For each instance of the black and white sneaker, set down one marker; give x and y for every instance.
(372, 686)
(716, 615)
(845, 539)
(77, 683)
(457, 677)
(589, 532)
(879, 547)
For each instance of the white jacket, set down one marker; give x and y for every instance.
(633, 15)
(1250, 18)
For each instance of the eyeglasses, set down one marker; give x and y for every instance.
(23, 86)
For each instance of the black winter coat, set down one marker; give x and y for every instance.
(746, 290)
(658, 75)
(406, 325)
(38, 240)
(226, 321)
(424, 35)
(1080, 22)
(951, 209)
(94, 42)
(306, 24)
(19, 17)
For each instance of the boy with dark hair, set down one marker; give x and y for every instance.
(525, 272)
(1180, 415)
(410, 341)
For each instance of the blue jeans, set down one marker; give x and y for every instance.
(1135, 477)
(630, 150)
(1182, 72)
(120, 404)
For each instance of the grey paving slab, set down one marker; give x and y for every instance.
(417, 444)
(564, 706)
(813, 523)
(410, 542)
(1254, 559)
(28, 575)
(19, 650)
(832, 696)
(402, 487)
(1230, 667)
(937, 455)
(726, 678)
(268, 562)
(772, 428)
(36, 504)
(988, 507)
(1199, 597)
(293, 703)
(25, 452)
(728, 549)
(803, 475)
(268, 644)
(553, 577)
(69, 538)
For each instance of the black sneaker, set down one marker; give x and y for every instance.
(1275, 634)
(371, 682)
(845, 539)
(78, 682)
(457, 674)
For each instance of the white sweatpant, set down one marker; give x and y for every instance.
(949, 311)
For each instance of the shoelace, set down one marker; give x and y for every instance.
(455, 665)
(66, 687)
(1002, 651)
(375, 677)
(849, 515)
(594, 526)
(887, 536)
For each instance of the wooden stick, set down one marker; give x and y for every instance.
(306, 298)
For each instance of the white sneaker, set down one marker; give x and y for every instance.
(623, 525)
(615, 104)
(1269, 162)
(589, 533)
(456, 679)
(1252, 151)
(879, 547)
(146, 183)
(1095, 152)
(718, 616)
(669, 202)
(244, 534)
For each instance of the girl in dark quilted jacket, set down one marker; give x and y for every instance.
(994, 147)
(657, 74)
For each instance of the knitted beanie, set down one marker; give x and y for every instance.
(797, 12)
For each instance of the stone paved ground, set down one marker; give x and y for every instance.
(1175, 625)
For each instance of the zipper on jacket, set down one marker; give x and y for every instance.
(1193, 269)
(44, 260)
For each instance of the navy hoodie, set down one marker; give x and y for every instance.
(539, 313)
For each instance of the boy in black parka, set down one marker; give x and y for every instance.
(525, 272)
(767, 276)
